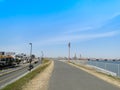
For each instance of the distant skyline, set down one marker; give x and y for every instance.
(92, 27)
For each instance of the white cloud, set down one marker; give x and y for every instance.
(115, 15)
(74, 30)
(63, 39)
(76, 38)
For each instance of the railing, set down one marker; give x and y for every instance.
(112, 67)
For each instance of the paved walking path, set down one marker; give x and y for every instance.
(66, 77)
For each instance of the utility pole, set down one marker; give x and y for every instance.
(75, 57)
(30, 56)
(80, 56)
(42, 56)
(69, 45)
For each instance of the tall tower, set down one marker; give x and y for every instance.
(75, 57)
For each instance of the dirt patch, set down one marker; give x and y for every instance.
(107, 78)
(40, 82)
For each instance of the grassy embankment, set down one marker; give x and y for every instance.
(17, 85)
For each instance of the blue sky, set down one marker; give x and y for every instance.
(92, 27)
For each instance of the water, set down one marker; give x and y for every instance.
(109, 61)
(113, 66)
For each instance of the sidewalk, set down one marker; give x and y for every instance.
(66, 77)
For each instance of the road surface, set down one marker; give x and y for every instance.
(66, 77)
(10, 77)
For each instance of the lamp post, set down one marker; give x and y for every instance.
(30, 52)
(69, 51)
(42, 56)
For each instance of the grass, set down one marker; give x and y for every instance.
(18, 85)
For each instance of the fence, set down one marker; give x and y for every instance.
(112, 67)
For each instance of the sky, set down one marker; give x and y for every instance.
(91, 26)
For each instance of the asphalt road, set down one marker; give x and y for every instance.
(66, 77)
(11, 69)
(10, 77)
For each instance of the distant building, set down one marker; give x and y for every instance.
(7, 53)
(2, 53)
(75, 57)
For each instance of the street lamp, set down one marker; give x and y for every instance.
(69, 45)
(42, 56)
(30, 52)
